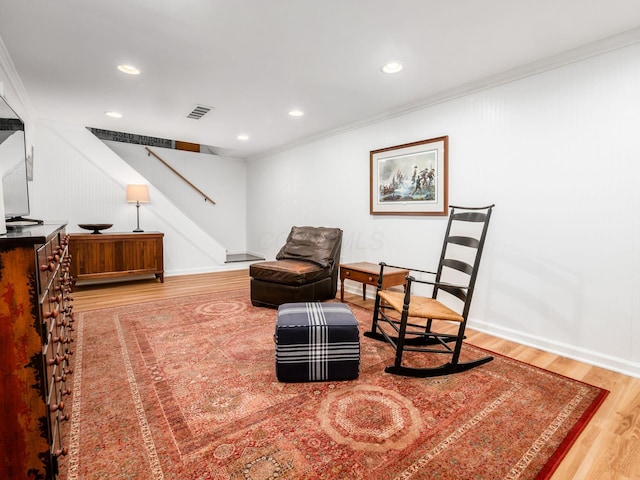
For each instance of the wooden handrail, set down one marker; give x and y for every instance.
(206, 197)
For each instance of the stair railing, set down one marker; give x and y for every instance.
(206, 197)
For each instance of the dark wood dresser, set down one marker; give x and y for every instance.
(109, 255)
(36, 324)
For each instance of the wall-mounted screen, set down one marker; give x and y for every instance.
(13, 164)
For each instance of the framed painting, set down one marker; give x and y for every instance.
(410, 179)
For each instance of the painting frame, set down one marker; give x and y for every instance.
(410, 179)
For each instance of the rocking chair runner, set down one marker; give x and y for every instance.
(412, 332)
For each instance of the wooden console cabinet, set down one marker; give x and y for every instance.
(36, 328)
(110, 255)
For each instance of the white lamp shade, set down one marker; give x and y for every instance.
(138, 193)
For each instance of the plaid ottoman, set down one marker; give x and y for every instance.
(316, 342)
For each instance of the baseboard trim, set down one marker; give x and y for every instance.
(608, 362)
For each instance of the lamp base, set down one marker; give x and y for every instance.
(138, 229)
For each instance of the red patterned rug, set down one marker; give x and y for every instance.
(186, 389)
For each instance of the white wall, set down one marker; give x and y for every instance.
(557, 152)
(78, 179)
(12, 90)
(221, 179)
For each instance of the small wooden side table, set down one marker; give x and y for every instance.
(367, 273)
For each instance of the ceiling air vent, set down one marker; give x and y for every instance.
(199, 111)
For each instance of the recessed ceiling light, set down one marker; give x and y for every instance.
(243, 136)
(129, 69)
(113, 114)
(392, 67)
(296, 113)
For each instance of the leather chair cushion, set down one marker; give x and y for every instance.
(313, 244)
(288, 272)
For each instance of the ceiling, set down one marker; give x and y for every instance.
(255, 60)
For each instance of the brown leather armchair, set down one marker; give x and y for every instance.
(305, 269)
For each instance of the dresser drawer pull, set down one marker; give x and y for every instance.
(54, 361)
(49, 267)
(62, 452)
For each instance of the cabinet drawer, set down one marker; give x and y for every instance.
(362, 277)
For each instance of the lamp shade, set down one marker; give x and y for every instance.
(138, 193)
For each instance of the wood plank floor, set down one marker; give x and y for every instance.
(608, 449)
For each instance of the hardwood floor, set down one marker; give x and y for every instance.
(94, 296)
(608, 449)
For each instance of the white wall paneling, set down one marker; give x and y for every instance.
(221, 179)
(90, 180)
(13, 91)
(558, 154)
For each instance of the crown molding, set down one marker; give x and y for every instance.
(615, 42)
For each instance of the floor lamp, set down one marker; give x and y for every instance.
(138, 194)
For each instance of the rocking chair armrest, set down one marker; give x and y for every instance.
(438, 284)
(382, 265)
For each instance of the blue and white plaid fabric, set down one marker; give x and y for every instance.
(316, 342)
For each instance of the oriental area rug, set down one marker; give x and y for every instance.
(186, 389)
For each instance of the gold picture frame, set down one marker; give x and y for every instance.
(410, 179)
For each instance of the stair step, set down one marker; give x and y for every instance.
(242, 257)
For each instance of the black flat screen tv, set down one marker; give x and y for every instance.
(13, 167)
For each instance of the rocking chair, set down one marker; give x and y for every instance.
(412, 332)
